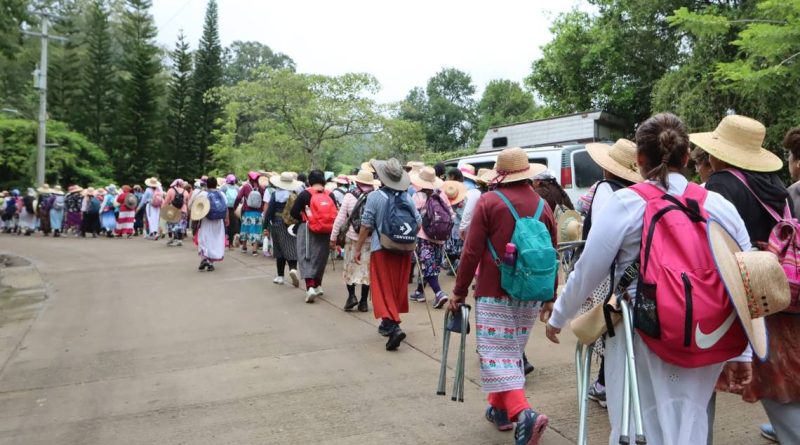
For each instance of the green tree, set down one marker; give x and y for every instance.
(135, 151)
(400, 138)
(504, 102)
(242, 59)
(205, 107)
(179, 132)
(64, 71)
(18, 57)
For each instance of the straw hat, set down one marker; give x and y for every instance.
(286, 181)
(570, 226)
(468, 170)
(537, 169)
(74, 189)
(738, 141)
(44, 188)
(392, 174)
(151, 182)
(100, 191)
(342, 180)
(200, 207)
(170, 213)
(57, 190)
(263, 181)
(512, 166)
(88, 191)
(455, 191)
(619, 159)
(367, 166)
(425, 179)
(485, 175)
(414, 166)
(755, 281)
(365, 177)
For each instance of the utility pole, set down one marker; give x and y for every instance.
(40, 83)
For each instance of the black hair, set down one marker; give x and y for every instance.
(664, 142)
(455, 174)
(440, 169)
(303, 178)
(211, 182)
(316, 177)
(791, 142)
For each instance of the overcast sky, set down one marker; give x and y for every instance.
(402, 43)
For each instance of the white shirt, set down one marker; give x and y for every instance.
(616, 235)
(473, 195)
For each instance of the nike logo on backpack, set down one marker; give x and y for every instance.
(706, 341)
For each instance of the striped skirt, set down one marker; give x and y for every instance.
(502, 327)
(125, 221)
(284, 246)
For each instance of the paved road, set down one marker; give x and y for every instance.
(134, 346)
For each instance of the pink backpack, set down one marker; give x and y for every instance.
(783, 242)
(682, 308)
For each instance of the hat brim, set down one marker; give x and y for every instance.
(763, 161)
(562, 223)
(170, 214)
(374, 183)
(285, 185)
(402, 184)
(600, 153)
(724, 249)
(422, 184)
(492, 177)
(462, 192)
(200, 208)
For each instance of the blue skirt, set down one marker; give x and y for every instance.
(251, 230)
(108, 221)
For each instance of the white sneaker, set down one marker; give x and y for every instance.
(319, 291)
(294, 277)
(179, 243)
(310, 295)
(278, 280)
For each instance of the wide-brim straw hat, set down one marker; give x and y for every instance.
(263, 181)
(392, 174)
(485, 175)
(88, 191)
(342, 180)
(426, 179)
(200, 207)
(537, 169)
(57, 190)
(44, 188)
(286, 181)
(455, 191)
(368, 167)
(74, 189)
(414, 166)
(512, 166)
(151, 182)
(619, 159)
(170, 213)
(468, 171)
(570, 226)
(365, 177)
(755, 281)
(738, 141)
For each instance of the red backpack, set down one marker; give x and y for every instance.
(321, 212)
(682, 309)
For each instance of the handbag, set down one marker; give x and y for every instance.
(602, 318)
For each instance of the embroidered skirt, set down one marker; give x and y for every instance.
(251, 230)
(356, 273)
(502, 327)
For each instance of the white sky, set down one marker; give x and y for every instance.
(402, 43)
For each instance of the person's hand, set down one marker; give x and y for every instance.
(332, 244)
(546, 311)
(739, 375)
(462, 234)
(454, 303)
(552, 333)
(357, 258)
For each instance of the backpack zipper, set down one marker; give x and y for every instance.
(687, 328)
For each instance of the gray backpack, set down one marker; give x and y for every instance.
(254, 199)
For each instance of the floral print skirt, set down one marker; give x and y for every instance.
(356, 273)
(430, 257)
(251, 229)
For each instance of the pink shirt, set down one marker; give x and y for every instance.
(420, 199)
(171, 196)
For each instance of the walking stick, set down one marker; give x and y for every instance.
(450, 263)
(583, 365)
(421, 281)
(305, 227)
(631, 388)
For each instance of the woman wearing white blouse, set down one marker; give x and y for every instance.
(673, 398)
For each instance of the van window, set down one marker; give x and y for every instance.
(542, 161)
(499, 142)
(585, 171)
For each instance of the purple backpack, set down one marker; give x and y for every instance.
(436, 219)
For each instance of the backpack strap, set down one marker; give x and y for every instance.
(539, 210)
(741, 177)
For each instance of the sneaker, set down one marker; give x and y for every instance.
(278, 280)
(294, 277)
(178, 243)
(310, 295)
(499, 419)
(319, 291)
(530, 427)
(170, 243)
(385, 329)
(768, 432)
(598, 395)
(203, 265)
(440, 300)
(395, 338)
(417, 296)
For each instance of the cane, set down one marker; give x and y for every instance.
(450, 263)
(445, 349)
(458, 384)
(631, 388)
(305, 227)
(583, 365)
(421, 281)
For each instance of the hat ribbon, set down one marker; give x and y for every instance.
(502, 174)
(752, 305)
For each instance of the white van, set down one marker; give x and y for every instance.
(574, 169)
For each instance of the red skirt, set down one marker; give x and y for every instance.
(388, 275)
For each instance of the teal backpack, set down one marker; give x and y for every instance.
(533, 276)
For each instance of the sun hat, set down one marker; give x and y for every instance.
(151, 182)
(57, 190)
(392, 174)
(263, 181)
(170, 213)
(485, 175)
(619, 159)
(365, 177)
(74, 189)
(755, 282)
(468, 170)
(230, 179)
(425, 178)
(455, 191)
(342, 180)
(112, 189)
(31, 192)
(200, 207)
(286, 181)
(44, 188)
(738, 141)
(414, 166)
(570, 226)
(537, 169)
(101, 191)
(252, 175)
(88, 191)
(512, 166)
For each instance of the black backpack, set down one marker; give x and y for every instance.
(177, 201)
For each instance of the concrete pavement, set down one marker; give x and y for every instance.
(133, 345)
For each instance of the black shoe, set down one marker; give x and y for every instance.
(527, 365)
(396, 337)
(386, 328)
(363, 306)
(210, 268)
(203, 265)
(351, 302)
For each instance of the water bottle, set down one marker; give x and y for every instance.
(510, 257)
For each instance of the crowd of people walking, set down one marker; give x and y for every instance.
(694, 259)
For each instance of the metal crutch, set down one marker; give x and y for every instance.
(631, 385)
(583, 365)
(450, 263)
(445, 349)
(458, 384)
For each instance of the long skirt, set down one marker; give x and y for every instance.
(502, 327)
(430, 257)
(91, 223)
(125, 221)
(153, 215)
(27, 221)
(251, 230)
(108, 221)
(44, 221)
(211, 239)
(74, 221)
(673, 399)
(178, 228)
(312, 260)
(233, 225)
(356, 273)
(56, 219)
(138, 223)
(389, 284)
(284, 246)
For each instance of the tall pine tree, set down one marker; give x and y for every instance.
(98, 88)
(205, 108)
(64, 73)
(178, 162)
(135, 150)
